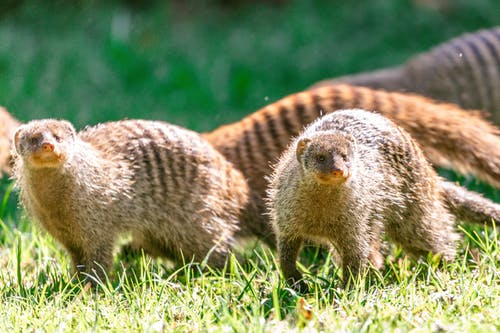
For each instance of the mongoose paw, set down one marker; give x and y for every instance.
(298, 285)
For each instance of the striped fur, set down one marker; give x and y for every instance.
(351, 176)
(177, 195)
(448, 135)
(464, 70)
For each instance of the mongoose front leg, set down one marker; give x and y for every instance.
(93, 264)
(356, 254)
(288, 251)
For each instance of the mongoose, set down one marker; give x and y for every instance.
(349, 177)
(176, 195)
(464, 70)
(448, 135)
(7, 126)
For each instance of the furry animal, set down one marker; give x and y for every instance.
(176, 195)
(350, 177)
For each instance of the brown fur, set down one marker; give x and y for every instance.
(351, 176)
(8, 125)
(464, 70)
(448, 135)
(176, 195)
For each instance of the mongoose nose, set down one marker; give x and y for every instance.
(47, 147)
(337, 173)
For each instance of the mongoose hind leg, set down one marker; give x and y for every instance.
(355, 262)
(435, 236)
(376, 258)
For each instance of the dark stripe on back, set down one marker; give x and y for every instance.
(483, 64)
(491, 47)
(178, 156)
(248, 148)
(158, 146)
(146, 160)
(494, 50)
(141, 134)
(446, 55)
(261, 140)
(300, 111)
(318, 108)
(470, 70)
(337, 100)
(273, 131)
(287, 124)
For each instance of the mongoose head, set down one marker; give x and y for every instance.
(44, 143)
(327, 156)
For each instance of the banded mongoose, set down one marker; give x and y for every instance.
(464, 70)
(176, 195)
(350, 177)
(448, 135)
(8, 125)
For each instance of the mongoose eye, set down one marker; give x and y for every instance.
(321, 157)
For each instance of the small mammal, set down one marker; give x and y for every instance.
(449, 136)
(176, 195)
(349, 177)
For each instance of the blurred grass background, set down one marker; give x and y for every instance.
(203, 63)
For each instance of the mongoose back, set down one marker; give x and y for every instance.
(171, 190)
(448, 135)
(464, 70)
(349, 177)
(8, 124)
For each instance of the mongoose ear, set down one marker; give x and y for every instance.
(69, 127)
(301, 145)
(16, 138)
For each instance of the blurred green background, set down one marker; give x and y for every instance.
(200, 64)
(203, 63)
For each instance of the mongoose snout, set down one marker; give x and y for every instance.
(47, 147)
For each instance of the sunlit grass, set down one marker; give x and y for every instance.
(37, 292)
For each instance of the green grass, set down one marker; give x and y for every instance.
(37, 294)
(199, 64)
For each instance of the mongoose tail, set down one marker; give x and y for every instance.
(468, 206)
